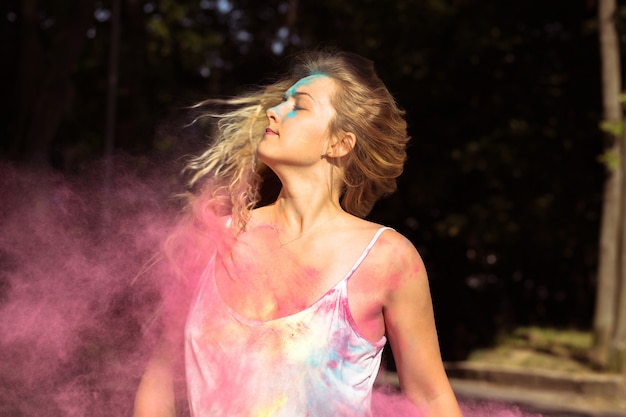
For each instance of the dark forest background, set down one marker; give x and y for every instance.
(502, 191)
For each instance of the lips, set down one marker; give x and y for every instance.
(269, 131)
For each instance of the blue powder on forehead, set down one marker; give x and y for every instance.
(304, 82)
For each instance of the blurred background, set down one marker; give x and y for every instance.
(503, 189)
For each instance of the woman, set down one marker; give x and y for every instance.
(298, 297)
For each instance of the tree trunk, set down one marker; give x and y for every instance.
(29, 70)
(113, 76)
(111, 115)
(291, 22)
(618, 349)
(45, 79)
(607, 285)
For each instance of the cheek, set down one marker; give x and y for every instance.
(309, 137)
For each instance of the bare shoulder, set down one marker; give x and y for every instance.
(397, 248)
(399, 263)
(391, 246)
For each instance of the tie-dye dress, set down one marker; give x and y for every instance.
(311, 363)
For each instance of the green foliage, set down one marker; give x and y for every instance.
(179, 30)
(610, 159)
(614, 128)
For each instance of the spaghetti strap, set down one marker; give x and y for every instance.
(370, 245)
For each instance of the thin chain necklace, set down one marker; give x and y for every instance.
(273, 226)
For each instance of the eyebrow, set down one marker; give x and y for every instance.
(302, 93)
(298, 93)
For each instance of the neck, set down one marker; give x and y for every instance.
(299, 214)
(308, 198)
(294, 216)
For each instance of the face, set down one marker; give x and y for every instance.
(297, 134)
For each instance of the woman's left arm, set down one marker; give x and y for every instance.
(410, 328)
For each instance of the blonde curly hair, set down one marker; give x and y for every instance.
(230, 174)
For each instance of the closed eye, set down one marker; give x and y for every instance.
(296, 107)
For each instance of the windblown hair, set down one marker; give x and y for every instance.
(229, 170)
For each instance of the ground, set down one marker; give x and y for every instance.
(544, 368)
(543, 348)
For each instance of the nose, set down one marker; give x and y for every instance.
(273, 113)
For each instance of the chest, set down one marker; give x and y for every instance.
(262, 280)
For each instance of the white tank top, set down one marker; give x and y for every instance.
(311, 363)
